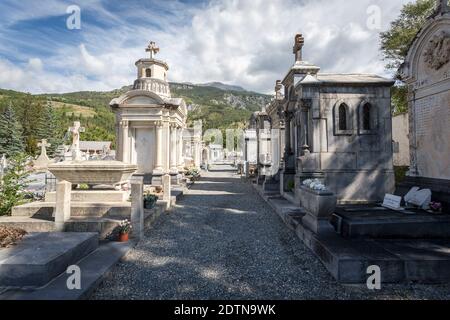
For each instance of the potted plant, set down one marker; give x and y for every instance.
(150, 200)
(124, 230)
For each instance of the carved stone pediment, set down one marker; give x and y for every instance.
(437, 52)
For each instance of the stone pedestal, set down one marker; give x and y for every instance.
(175, 178)
(271, 184)
(166, 183)
(137, 206)
(319, 206)
(302, 176)
(62, 208)
(286, 176)
(246, 167)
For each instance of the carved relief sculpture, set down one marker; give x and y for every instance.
(437, 52)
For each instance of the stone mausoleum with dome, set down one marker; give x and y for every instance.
(150, 122)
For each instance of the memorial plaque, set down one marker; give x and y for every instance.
(392, 202)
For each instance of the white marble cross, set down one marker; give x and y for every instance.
(153, 49)
(43, 144)
(76, 130)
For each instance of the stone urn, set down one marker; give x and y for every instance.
(319, 206)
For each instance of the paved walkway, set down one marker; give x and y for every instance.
(223, 242)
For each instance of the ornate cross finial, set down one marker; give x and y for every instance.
(443, 6)
(153, 49)
(298, 45)
(43, 144)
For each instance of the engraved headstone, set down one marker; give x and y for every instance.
(410, 194)
(421, 198)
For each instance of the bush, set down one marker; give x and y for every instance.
(150, 200)
(400, 173)
(290, 185)
(13, 183)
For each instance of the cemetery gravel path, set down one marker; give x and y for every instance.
(222, 241)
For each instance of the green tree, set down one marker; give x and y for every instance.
(13, 183)
(48, 128)
(396, 41)
(11, 140)
(28, 109)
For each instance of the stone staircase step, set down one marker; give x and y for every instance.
(94, 268)
(92, 196)
(87, 209)
(28, 224)
(40, 257)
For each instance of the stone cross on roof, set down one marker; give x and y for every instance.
(75, 130)
(153, 49)
(43, 144)
(298, 46)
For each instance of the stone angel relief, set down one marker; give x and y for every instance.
(437, 53)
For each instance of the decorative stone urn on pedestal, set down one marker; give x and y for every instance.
(319, 206)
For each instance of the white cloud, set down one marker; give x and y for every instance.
(35, 64)
(248, 43)
(90, 63)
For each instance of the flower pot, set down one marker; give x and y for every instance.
(318, 203)
(123, 237)
(148, 204)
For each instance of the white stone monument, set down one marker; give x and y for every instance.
(42, 162)
(150, 123)
(426, 72)
(75, 131)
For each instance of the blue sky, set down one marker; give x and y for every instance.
(243, 42)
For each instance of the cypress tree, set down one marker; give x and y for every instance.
(48, 129)
(11, 139)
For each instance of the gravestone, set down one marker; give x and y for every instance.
(420, 198)
(43, 160)
(426, 72)
(410, 194)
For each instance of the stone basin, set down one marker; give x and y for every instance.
(93, 172)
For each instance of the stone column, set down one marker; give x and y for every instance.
(62, 208)
(137, 206)
(196, 152)
(173, 149)
(125, 141)
(159, 163)
(305, 127)
(180, 149)
(118, 141)
(168, 146)
(287, 131)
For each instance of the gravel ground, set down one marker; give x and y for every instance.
(222, 241)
